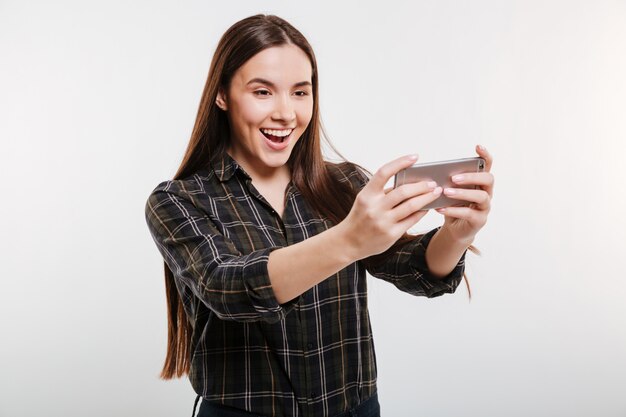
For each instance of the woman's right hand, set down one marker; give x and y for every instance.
(379, 216)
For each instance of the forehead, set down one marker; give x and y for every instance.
(282, 65)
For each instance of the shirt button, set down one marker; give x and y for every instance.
(310, 345)
(312, 395)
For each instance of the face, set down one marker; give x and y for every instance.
(269, 104)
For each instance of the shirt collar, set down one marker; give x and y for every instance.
(225, 166)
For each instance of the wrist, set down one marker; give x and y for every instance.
(445, 234)
(345, 243)
(444, 252)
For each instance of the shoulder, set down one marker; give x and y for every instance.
(186, 188)
(349, 172)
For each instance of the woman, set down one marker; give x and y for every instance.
(266, 245)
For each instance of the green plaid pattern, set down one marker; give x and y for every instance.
(312, 356)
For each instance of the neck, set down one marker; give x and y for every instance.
(261, 172)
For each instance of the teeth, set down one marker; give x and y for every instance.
(280, 133)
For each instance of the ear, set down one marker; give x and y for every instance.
(220, 100)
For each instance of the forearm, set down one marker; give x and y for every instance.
(443, 253)
(296, 268)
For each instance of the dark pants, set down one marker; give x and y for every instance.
(368, 408)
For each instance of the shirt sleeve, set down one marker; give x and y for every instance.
(406, 268)
(235, 286)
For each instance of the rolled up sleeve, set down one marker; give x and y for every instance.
(408, 271)
(233, 285)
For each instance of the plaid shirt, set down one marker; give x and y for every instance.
(312, 356)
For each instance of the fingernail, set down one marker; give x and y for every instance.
(457, 178)
(440, 209)
(432, 184)
(437, 190)
(413, 157)
(450, 191)
(482, 148)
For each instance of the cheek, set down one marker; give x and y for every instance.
(251, 113)
(305, 112)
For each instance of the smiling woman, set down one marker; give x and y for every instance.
(269, 105)
(268, 100)
(266, 245)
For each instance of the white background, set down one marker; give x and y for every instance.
(97, 102)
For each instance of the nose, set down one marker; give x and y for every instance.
(284, 109)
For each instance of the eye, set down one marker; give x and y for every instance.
(302, 93)
(261, 92)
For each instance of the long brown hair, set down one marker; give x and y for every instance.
(310, 172)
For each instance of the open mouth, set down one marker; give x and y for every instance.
(276, 136)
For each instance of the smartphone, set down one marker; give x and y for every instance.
(441, 172)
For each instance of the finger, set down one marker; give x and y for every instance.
(474, 217)
(388, 189)
(483, 179)
(414, 204)
(384, 173)
(480, 197)
(410, 221)
(406, 191)
(483, 153)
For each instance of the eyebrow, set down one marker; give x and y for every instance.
(271, 84)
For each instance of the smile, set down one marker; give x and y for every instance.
(275, 135)
(277, 140)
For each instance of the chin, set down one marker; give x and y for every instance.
(276, 161)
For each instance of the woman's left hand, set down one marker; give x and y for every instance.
(462, 223)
